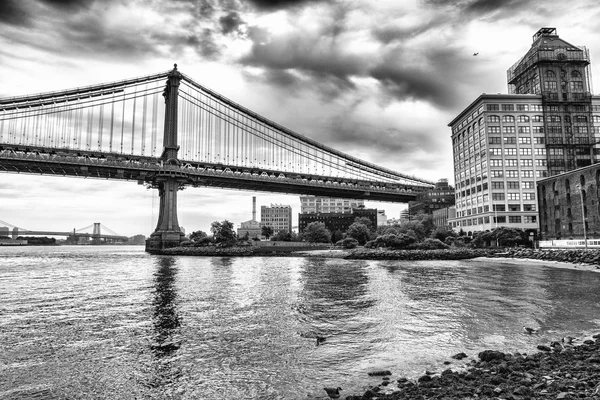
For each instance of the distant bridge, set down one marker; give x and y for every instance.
(14, 232)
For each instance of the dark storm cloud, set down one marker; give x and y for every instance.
(280, 4)
(230, 22)
(13, 12)
(19, 12)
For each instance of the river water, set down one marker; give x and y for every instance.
(114, 322)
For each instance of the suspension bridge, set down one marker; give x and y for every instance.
(111, 131)
(96, 235)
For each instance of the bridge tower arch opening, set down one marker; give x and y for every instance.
(168, 232)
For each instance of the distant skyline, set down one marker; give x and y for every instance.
(377, 80)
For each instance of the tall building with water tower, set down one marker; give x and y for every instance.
(503, 144)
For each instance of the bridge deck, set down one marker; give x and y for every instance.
(142, 169)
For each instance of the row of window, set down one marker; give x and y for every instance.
(540, 118)
(510, 173)
(512, 151)
(513, 219)
(513, 162)
(513, 196)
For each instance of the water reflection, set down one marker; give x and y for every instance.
(165, 319)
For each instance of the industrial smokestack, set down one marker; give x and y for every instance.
(253, 208)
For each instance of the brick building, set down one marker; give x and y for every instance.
(568, 200)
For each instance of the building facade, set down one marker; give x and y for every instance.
(316, 204)
(441, 196)
(277, 216)
(504, 143)
(569, 204)
(442, 215)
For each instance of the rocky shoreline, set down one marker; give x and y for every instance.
(558, 371)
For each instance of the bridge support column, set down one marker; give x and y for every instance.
(168, 233)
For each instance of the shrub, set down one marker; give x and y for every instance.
(431, 244)
(349, 243)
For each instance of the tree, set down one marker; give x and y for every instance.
(336, 236)
(266, 231)
(197, 235)
(365, 221)
(442, 232)
(360, 232)
(223, 233)
(316, 232)
(284, 236)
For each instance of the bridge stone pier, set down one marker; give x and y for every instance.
(168, 233)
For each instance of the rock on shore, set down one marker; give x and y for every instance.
(563, 373)
(578, 256)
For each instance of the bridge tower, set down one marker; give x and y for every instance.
(168, 233)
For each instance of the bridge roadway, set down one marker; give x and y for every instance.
(145, 170)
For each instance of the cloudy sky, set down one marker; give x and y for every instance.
(379, 80)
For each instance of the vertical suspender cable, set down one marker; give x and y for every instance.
(144, 111)
(123, 122)
(133, 121)
(101, 126)
(112, 122)
(154, 123)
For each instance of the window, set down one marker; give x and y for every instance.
(511, 162)
(541, 174)
(495, 140)
(580, 118)
(495, 163)
(512, 184)
(522, 107)
(523, 118)
(512, 173)
(497, 196)
(492, 107)
(497, 185)
(550, 74)
(555, 152)
(524, 129)
(500, 219)
(540, 152)
(525, 140)
(510, 152)
(526, 163)
(514, 219)
(537, 118)
(539, 140)
(528, 219)
(508, 107)
(512, 196)
(527, 185)
(510, 140)
(528, 196)
(550, 86)
(508, 129)
(538, 129)
(499, 207)
(496, 152)
(508, 118)
(497, 174)
(536, 107)
(494, 129)
(528, 207)
(576, 86)
(541, 163)
(525, 151)
(555, 118)
(527, 174)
